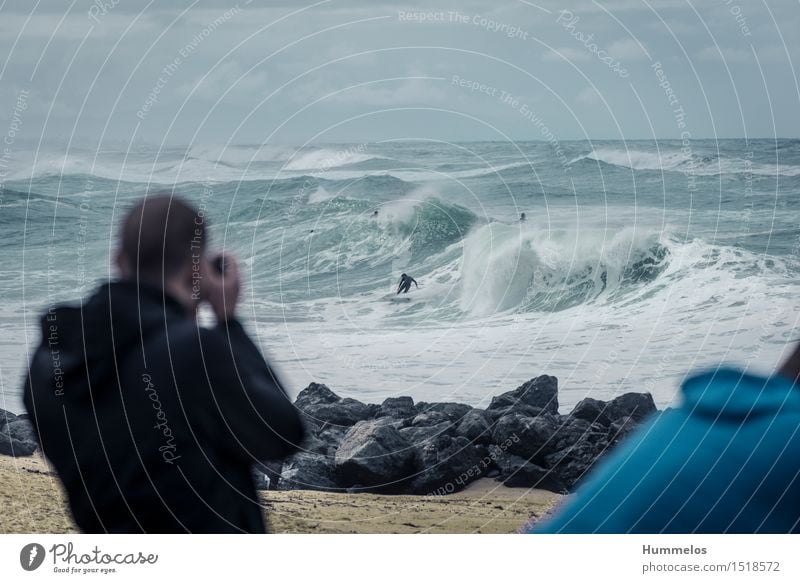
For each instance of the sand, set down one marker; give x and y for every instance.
(33, 502)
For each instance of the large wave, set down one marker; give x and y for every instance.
(669, 160)
(322, 159)
(514, 267)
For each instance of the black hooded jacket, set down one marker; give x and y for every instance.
(152, 422)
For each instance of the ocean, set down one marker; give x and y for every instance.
(638, 262)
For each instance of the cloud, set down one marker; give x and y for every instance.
(588, 96)
(228, 75)
(392, 93)
(569, 53)
(728, 55)
(73, 26)
(627, 49)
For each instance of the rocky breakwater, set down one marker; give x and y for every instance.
(403, 447)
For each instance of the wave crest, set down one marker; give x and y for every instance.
(678, 161)
(510, 267)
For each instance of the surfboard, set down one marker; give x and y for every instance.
(396, 298)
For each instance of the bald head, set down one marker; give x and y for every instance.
(160, 237)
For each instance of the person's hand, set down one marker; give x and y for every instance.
(221, 289)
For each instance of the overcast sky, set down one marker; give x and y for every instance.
(294, 72)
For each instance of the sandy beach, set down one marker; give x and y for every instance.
(33, 502)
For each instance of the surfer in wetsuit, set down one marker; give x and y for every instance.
(522, 218)
(405, 284)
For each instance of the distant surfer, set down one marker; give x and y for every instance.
(522, 217)
(375, 215)
(405, 284)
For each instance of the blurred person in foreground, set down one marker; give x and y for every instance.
(153, 422)
(726, 461)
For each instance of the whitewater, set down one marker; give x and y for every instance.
(637, 264)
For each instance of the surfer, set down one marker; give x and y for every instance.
(405, 284)
(522, 217)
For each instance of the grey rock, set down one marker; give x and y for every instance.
(571, 430)
(315, 394)
(635, 405)
(494, 415)
(21, 429)
(621, 428)
(446, 464)
(592, 410)
(517, 472)
(475, 427)
(332, 435)
(428, 419)
(374, 454)
(420, 434)
(345, 412)
(313, 444)
(6, 417)
(541, 391)
(308, 471)
(453, 411)
(17, 437)
(321, 406)
(14, 447)
(574, 462)
(398, 408)
(528, 437)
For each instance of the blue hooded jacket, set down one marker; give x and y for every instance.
(726, 461)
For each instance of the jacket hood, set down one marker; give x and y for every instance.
(81, 340)
(737, 395)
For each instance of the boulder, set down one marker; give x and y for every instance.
(539, 392)
(313, 444)
(475, 427)
(446, 464)
(592, 410)
(316, 394)
(6, 417)
(528, 437)
(17, 436)
(494, 415)
(621, 428)
(571, 430)
(635, 405)
(321, 406)
(15, 447)
(453, 411)
(419, 435)
(517, 472)
(332, 436)
(428, 419)
(345, 412)
(308, 471)
(572, 463)
(398, 408)
(21, 429)
(374, 454)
